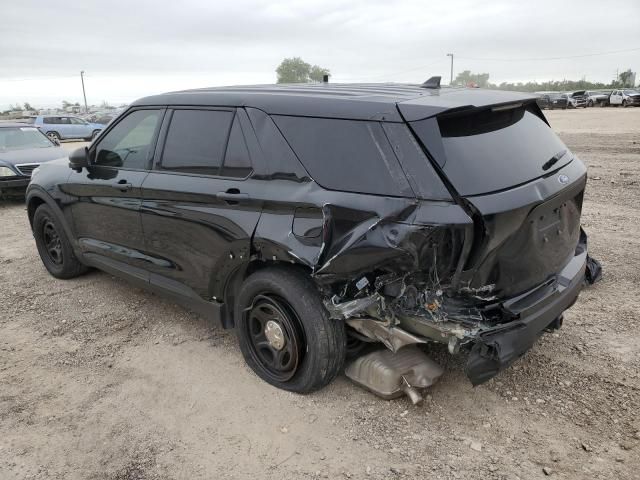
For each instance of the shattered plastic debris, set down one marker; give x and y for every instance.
(593, 272)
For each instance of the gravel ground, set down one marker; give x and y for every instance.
(99, 380)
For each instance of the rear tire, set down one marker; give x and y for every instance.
(53, 245)
(285, 333)
(54, 136)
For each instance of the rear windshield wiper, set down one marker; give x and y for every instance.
(553, 160)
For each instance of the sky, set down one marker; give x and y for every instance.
(133, 48)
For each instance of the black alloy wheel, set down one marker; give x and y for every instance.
(53, 244)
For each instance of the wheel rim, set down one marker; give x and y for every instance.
(52, 135)
(52, 243)
(274, 336)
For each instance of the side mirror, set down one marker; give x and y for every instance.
(79, 159)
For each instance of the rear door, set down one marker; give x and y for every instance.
(199, 209)
(65, 128)
(81, 128)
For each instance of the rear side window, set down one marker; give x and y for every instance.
(196, 141)
(346, 155)
(49, 120)
(236, 160)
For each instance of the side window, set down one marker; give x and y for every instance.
(196, 141)
(64, 121)
(77, 121)
(346, 155)
(128, 144)
(48, 120)
(236, 161)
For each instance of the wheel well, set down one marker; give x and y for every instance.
(33, 205)
(238, 277)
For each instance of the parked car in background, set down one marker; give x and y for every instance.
(103, 118)
(557, 100)
(66, 127)
(544, 101)
(303, 215)
(577, 99)
(625, 97)
(22, 149)
(597, 98)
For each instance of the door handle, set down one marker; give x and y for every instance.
(123, 185)
(232, 196)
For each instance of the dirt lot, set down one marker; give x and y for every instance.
(99, 380)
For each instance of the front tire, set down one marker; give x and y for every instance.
(624, 104)
(54, 246)
(285, 333)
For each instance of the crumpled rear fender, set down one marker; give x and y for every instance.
(339, 243)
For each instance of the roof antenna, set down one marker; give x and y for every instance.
(433, 82)
(325, 78)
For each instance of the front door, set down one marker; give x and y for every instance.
(106, 213)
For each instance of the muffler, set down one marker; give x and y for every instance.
(391, 374)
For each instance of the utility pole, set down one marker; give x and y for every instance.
(86, 109)
(451, 55)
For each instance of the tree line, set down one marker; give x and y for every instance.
(468, 78)
(296, 70)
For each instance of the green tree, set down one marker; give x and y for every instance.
(468, 79)
(296, 70)
(625, 78)
(27, 106)
(293, 70)
(317, 73)
(65, 104)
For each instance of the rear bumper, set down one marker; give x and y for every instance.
(497, 348)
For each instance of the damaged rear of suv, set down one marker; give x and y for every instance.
(392, 214)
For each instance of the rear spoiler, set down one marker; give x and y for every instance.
(460, 99)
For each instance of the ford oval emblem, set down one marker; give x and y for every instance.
(563, 179)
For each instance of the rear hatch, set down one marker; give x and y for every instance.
(521, 185)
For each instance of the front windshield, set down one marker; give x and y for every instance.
(630, 92)
(20, 138)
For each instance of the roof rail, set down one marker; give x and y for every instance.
(433, 82)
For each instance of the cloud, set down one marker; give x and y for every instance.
(125, 46)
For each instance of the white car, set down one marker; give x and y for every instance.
(625, 97)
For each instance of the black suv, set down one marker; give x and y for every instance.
(313, 218)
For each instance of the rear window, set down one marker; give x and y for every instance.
(346, 155)
(492, 149)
